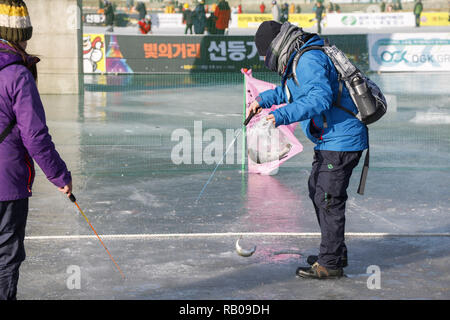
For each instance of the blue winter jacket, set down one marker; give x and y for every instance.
(312, 99)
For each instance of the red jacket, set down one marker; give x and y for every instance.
(262, 8)
(145, 27)
(223, 14)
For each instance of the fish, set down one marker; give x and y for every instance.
(260, 157)
(243, 252)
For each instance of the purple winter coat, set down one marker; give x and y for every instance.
(29, 139)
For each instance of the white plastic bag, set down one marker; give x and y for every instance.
(266, 143)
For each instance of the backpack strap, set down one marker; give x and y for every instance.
(365, 170)
(7, 130)
(13, 122)
(338, 100)
(297, 58)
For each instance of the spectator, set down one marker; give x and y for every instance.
(141, 9)
(292, 8)
(109, 16)
(319, 11)
(331, 7)
(337, 8)
(262, 7)
(239, 8)
(27, 140)
(130, 5)
(199, 18)
(145, 25)
(211, 24)
(298, 9)
(418, 8)
(169, 8)
(213, 7)
(223, 15)
(284, 13)
(179, 8)
(187, 18)
(275, 11)
(383, 6)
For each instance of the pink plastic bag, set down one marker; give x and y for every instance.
(288, 144)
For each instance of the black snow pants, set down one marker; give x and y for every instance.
(330, 176)
(13, 217)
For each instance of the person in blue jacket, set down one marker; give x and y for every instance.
(340, 138)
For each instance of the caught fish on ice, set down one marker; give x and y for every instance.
(244, 252)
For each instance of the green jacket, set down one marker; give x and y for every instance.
(418, 8)
(109, 15)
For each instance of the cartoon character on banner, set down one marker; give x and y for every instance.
(92, 53)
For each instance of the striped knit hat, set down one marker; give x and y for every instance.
(15, 23)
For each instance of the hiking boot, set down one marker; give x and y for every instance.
(316, 271)
(313, 259)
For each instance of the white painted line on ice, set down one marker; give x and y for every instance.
(232, 234)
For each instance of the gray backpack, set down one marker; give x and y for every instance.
(366, 95)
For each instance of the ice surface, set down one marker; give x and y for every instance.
(118, 147)
(411, 268)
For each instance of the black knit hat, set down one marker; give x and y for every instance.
(15, 24)
(267, 31)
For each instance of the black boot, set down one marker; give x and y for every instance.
(313, 259)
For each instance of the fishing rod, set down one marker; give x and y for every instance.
(74, 200)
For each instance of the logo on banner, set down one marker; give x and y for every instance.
(411, 52)
(349, 20)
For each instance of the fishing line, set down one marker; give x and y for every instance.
(218, 164)
(250, 116)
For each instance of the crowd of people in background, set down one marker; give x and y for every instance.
(217, 22)
(215, 18)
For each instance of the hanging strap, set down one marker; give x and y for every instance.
(7, 131)
(365, 170)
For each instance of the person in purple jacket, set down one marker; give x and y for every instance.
(24, 137)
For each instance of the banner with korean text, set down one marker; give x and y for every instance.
(189, 54)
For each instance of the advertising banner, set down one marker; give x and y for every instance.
(365, 1)
(94, 19)
(168, 20)
(186, 54)
(370, 20)
(434, 19)
(175, 54)
(245, 20)
(99, 19)
(409, 52)
(94, 53)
